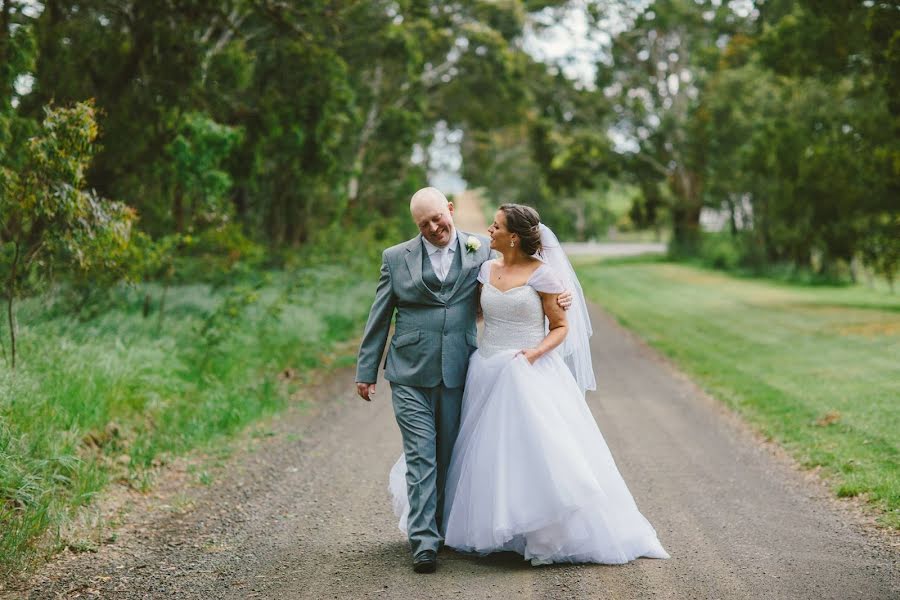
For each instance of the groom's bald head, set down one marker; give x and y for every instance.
(425, 199)
(433, 215)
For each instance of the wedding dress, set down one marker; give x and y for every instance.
(530, 470)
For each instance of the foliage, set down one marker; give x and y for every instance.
(781, 114)
(196, 156)
(289, 117)
(880, 249)
(48, 219)
(556, 159)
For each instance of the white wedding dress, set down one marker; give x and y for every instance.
(530, 470)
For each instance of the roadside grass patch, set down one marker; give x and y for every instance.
(111, 398)
(814, 368)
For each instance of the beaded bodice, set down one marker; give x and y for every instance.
(513, 319)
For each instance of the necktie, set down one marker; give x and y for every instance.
(445, 263)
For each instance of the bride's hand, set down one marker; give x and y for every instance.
(532, 354)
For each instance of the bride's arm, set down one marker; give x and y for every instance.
(479, 315)
(559, 327)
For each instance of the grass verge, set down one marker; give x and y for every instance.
(817, 369)
(110, 398)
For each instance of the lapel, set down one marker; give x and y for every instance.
(468, 261)
(414, 262)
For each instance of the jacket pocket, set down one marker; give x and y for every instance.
(405, 339)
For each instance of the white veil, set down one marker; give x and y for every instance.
(576, 348)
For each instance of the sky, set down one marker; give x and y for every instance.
(567, 42)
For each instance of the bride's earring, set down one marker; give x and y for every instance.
(512, 244)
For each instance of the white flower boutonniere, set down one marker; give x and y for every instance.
(473, 244)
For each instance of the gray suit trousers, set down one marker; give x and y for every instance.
(429, 422)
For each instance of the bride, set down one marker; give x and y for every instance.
(530, 470)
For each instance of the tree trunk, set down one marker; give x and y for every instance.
(5, 63)
(686, 227)
(162, 299)
(178, 211)
(3, 351)
(368, 129)
(686, 212)
(275, 215)
(12, 331)
(733, 219)
(686, 187)
(11, 294)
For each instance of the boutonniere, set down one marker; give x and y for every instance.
(473, 244)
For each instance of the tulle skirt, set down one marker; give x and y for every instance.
(532, 473)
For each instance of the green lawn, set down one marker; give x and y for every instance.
(107, 398)
(817, 369)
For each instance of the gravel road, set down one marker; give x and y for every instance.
(304, 513)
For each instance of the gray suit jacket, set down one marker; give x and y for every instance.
(433, 338)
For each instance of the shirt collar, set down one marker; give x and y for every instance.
(451, 245)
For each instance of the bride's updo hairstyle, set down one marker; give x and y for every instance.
(525, 222)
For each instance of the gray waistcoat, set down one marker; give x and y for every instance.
(430, 278)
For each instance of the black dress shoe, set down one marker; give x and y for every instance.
(425, 562)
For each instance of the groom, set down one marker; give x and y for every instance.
(430, 282)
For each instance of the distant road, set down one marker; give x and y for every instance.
(613, 249)
(469, 215)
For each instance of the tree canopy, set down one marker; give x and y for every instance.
(286, 118)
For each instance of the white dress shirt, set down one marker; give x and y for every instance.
(441, 257)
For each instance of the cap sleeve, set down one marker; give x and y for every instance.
(484, 274)
(545, 280)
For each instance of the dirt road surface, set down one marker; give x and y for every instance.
(304, 512)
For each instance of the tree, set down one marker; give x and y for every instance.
(798, 122)
(47, 218)
(196, 157)
(556, 158)
(656, 73)
(201, 188)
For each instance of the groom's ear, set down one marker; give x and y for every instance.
(450, 206)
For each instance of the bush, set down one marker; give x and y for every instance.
(743, 255)
(218, 254)
(721, 251)
(361, 247)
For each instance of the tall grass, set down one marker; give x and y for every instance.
(107, 398)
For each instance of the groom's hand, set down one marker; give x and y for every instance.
(365, 390)
(564, 300)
